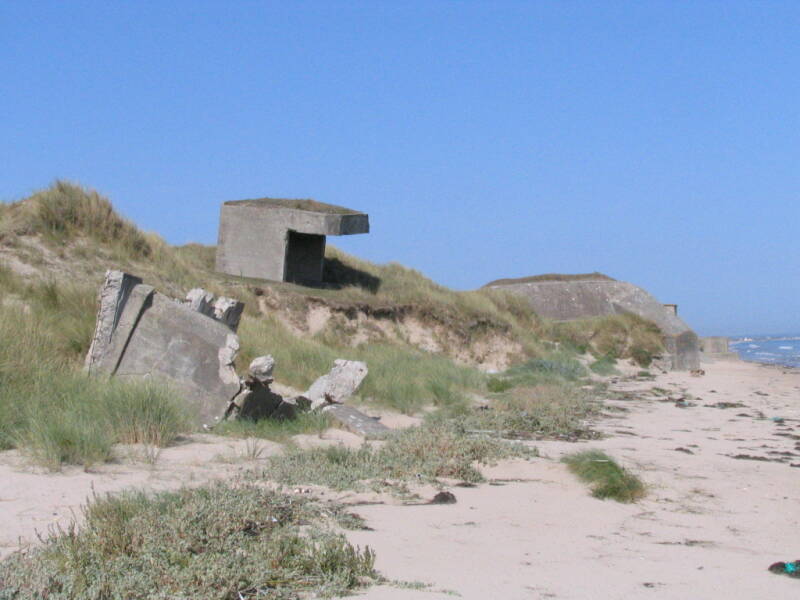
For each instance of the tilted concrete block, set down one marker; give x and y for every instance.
(157, 337)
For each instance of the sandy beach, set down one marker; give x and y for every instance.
(720, 455)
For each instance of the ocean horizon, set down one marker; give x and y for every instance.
(768, 349)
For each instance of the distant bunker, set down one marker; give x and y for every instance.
(569, 297)
(279, 239)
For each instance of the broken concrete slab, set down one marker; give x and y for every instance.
(113, 295)
(357, 422)
(150, 335)
(202, 301)
(339, 384)
(255, 400)
(228, 311)
(223, 309)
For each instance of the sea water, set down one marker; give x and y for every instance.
(775, 350)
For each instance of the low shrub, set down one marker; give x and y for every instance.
(545, 410)
(606, 477)
(604, 366)
(428, 452)
(213, 542)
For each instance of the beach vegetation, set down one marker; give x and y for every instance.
(215, 541)
(605, 476)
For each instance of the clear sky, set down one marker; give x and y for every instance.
(657, 142)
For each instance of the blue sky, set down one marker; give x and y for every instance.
(653, 141)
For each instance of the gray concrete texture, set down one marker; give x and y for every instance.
(717, 348)
(281, 240)
(577, 299)
(715, 344)
(143, 334)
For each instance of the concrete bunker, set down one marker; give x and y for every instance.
(281, 239)
(568, 297)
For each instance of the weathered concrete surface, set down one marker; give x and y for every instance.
(281, 240)
(339, 384)
(225, 310)
(155, 336)
(717, 347)
(113, 295)
(715, 344)
(357, 422)
(576, 299)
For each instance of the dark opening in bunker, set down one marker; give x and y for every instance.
(305, 255)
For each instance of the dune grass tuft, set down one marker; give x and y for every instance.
(65, 209)
(276, 430)
(605, 476)
(605, 365)
(431, 451)
(216, 542)
(556, 409)
(48, 408)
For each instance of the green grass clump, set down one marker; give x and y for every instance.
(276, 430)
(213, 542)
(545, 410)
(605, 365)
(76, 420)
(606, 477)
(65, 210)
(618, 336)
(431, 451)
(49, 409)
(555, 368)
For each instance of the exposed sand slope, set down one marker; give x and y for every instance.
(709, 527)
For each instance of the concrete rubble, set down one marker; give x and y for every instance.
(255, 400)
(191, 345)
(328, 393)
(141, 333)
(338, 385)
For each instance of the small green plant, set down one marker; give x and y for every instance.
(605, 365)
(606, 477)
(498, 384)
(216, 542)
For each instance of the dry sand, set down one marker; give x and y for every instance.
(708, 528)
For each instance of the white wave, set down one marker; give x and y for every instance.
(785, 347)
